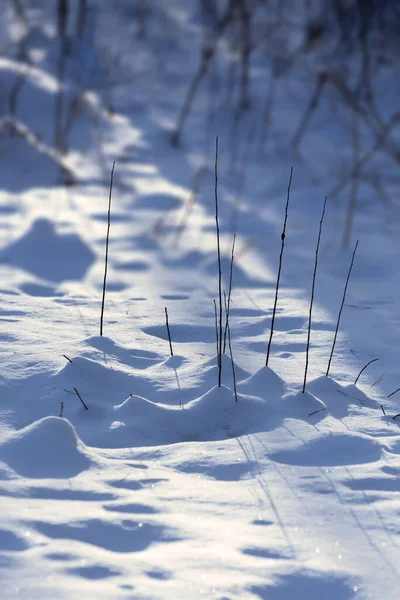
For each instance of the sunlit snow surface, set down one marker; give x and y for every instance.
(165, 487)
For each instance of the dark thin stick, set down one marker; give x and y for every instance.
(61, 409)
(65, 356)
(377, 381)
(312, 295)
(393, 393)
(383, 410)
(169, 333)
(219, 266)
(316, 411)
(283, 234)
(363, 369)
(230, 351)
(233, 364)
(216, 328)
(80, 398)
(106, 258)
(229, 293)
(341, 308)
(396, 416)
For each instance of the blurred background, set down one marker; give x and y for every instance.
(309, 83)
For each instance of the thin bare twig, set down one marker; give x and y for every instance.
(80, 398)
(283, 235)
(106, 258)
(377, 381)
(231, 353)
(65, 356)
(312, 294)
(169, 333)
(219, 266)
(317, 411)
(341, 308)
(363, 369)
(216, 328)
(393, 393)
(233, 363)
(229, 293)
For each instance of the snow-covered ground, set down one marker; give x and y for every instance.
(126, 472)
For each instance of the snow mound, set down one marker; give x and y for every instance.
(68, 259)
(354, 393)
(179, 380)
(301, 406)
(331, 450)
(337, 398)
(216, 415)
(138, 408)
(98, 381)
(264, 383)
(210, 370)
(137, 422)
(49, 448)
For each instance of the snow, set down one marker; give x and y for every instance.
(126, 472)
